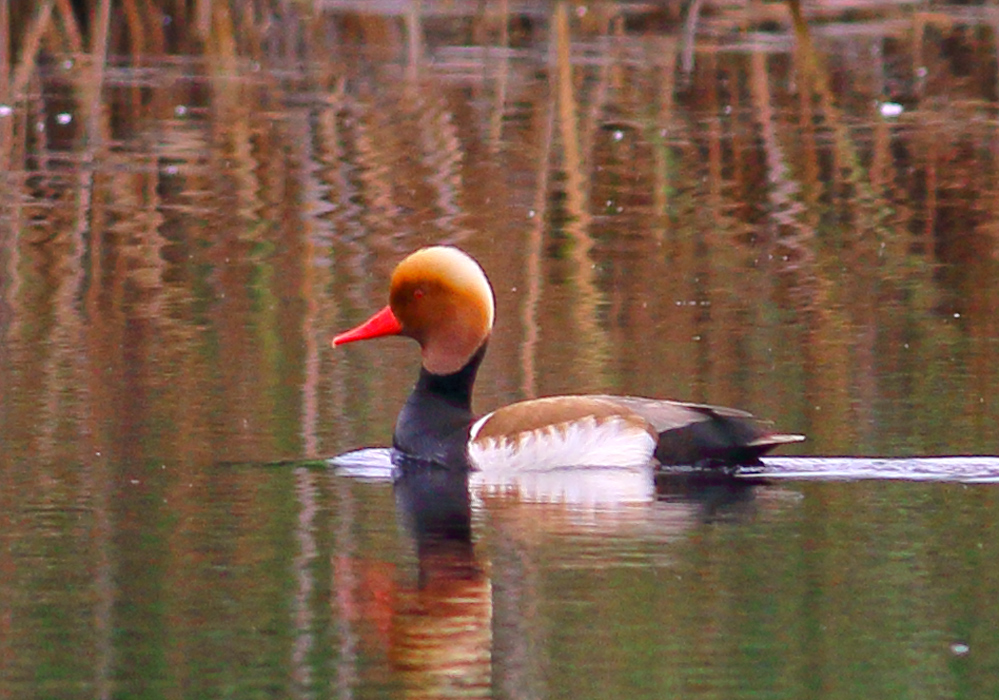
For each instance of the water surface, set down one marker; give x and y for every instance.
(716, 204)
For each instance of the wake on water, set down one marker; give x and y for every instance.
(375, 464)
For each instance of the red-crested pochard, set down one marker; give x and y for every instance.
(440, 297)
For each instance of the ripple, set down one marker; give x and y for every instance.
(375, 464)
(367, 464)
(971, 470)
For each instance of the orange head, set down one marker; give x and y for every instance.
(440, 297)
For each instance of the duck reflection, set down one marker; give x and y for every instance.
(637, 506)
(441, 633)
(715, 495)
(469, 622)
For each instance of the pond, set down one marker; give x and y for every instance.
(790, 211)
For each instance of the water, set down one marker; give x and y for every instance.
(720, 209)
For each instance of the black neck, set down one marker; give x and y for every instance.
(455, 388)
(434, 423)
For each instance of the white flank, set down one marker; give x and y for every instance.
(613, 442)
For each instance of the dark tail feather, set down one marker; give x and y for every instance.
(720, 439)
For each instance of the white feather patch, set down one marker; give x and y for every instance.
(586, 442)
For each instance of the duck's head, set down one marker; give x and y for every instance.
(441, 298)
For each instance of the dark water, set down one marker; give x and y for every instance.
(708, 203)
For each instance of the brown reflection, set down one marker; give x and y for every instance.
(302, 610)
(36, 28)
(442, 629)
(533, 278)
(575, 135)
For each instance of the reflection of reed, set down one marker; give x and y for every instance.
(100, 484)
(315, 257)
(689, 38)
(414, 41)
(4, 65)
(344, 588)
(534, 251)
(30, 45)
(503, 75)
(302, 609)
(442, 155)
(375, 142)
(658, 128)
(339, 251)
(832, 369)
(790, 232)
(587, 297)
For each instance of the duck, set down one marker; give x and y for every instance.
(440, 297)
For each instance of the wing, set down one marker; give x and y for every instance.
(690, 433)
